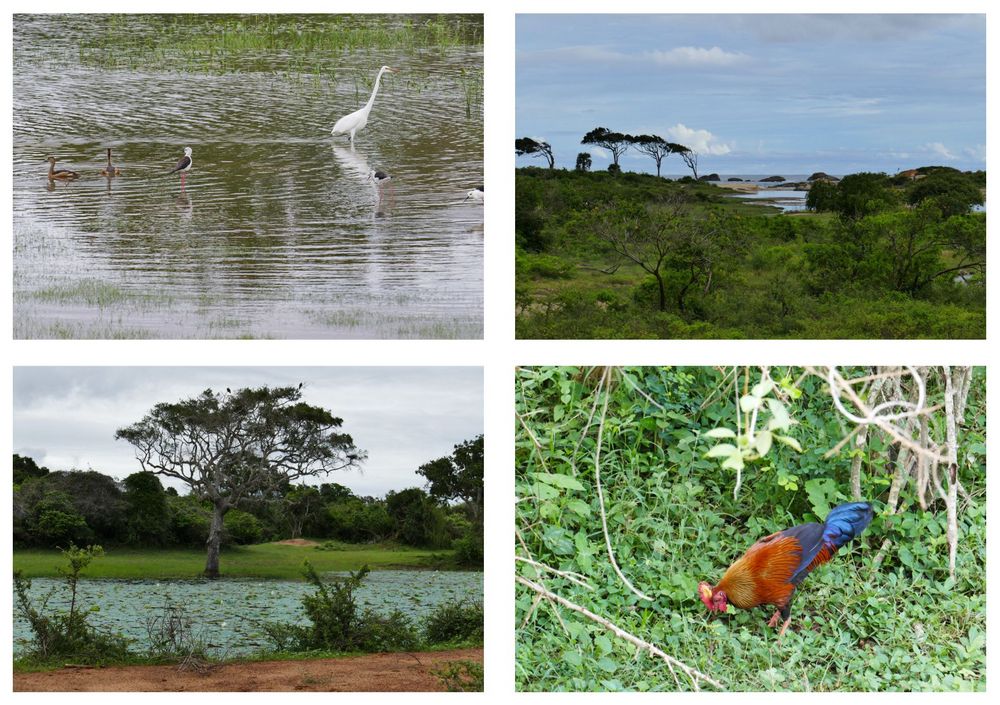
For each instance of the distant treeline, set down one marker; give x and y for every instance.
(53, 508)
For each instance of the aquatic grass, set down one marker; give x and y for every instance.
(288, 44)
(93, 292)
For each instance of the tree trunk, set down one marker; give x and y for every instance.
(663, 292)
(214, 542)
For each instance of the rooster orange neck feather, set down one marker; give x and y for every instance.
(761, 576)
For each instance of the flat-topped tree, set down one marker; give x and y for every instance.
(227, 447)
(657, 148)
(527, 146)
(614, 142)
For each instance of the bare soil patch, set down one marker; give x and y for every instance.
(298, 542)
(370, 672)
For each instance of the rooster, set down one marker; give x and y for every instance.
(772, 568)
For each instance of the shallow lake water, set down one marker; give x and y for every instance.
(276, 232)
(227, 613)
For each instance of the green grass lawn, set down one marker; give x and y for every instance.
(267, 560)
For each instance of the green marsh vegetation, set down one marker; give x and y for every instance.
(602, 255)
(304, 50)
(654, 472)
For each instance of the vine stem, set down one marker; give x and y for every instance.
(600, 492)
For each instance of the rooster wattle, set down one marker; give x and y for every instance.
(771, 569)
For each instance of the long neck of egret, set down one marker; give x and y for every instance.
(378, 81)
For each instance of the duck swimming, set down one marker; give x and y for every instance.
(110, 169)
(64, 174)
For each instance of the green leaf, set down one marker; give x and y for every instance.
(779, 415)
(789, 441)
(559, 480)
(720, 433)
(763, 442)
(722, 450)
(733, 462)
(579, 506)
(749, 403)
(603, 644)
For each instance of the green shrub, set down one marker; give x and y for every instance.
(241, 528)
(469, 551)
(455, 622)
(67, 635)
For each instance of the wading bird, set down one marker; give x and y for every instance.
(380, 179)
(772, 568)
(475, 194)
(184, 165)
(110, 169)
(63, 174)
(359, 118)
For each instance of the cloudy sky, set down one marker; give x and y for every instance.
(759, 94)
(66, 417)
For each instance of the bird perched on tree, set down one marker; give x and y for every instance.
(771, 569)
(349, 124)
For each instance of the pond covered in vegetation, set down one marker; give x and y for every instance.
(277, 231)
(227, 614)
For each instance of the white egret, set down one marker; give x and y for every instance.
(359, 118)
(475, 194)
(184, 165)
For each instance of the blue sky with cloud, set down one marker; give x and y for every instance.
(756, 94)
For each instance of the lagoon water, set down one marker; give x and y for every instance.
(227, 614)
(277, 233)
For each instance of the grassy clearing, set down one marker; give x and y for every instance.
(268, 560)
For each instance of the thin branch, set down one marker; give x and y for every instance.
(695, 675)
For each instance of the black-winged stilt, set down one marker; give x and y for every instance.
(64, 174)
(349, 124)
(380, 179)
(110, 169)
(184, 165)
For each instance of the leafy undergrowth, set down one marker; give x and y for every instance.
(673, 521)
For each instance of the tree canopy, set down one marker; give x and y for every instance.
(527, 146)
(229, 447)
(614, 142)
(459, 476)
(657, 148)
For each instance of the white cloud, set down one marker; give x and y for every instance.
(701, 141)
(694, 56)
(939, 150)
(978, 152)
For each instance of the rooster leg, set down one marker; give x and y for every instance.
(774, 619)
(786, 614)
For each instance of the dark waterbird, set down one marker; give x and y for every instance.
(63, 174)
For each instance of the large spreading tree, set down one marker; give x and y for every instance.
(232, 446)
(614, 142)
(657, 148)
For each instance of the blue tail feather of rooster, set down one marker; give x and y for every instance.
(820, 541)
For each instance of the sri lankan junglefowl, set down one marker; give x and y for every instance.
(771, 569)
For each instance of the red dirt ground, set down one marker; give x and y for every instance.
(371, 672)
